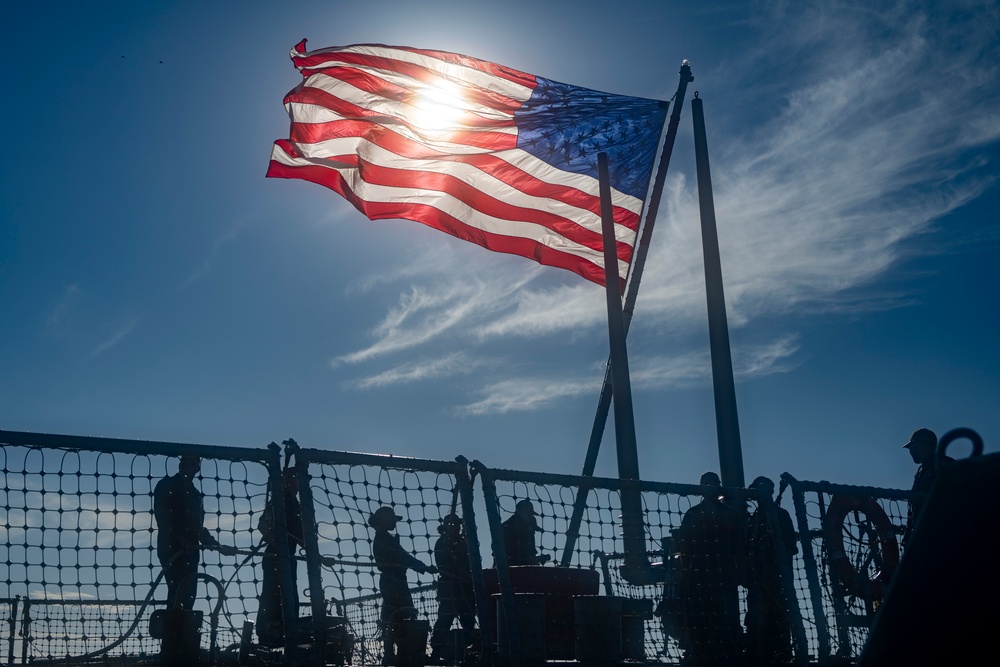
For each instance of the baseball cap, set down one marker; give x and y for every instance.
(384, 515)
(922, 436)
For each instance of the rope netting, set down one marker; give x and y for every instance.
(80, 573)
(853, 554)
(600, 546)
(8, 627)
(77, 544)
(346, 490)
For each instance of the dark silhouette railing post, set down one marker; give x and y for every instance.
(289, 612)
(464, 484)
(511, 627)
(809, 563)
(310, 539)
(13, 628)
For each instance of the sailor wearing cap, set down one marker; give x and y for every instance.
(921, 445)
(393, 562)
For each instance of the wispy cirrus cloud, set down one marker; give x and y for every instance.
(656, 372)
(542, 311)
(115, 338)
(205, 267)
(431, 262)
(525, 394)
(457, 363)
(420, 316)
(55, 322)
(822, 198)
(439, 307)
(826, 176)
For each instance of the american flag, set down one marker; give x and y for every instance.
(489, 154)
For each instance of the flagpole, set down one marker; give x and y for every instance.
(726, 418)
(633, 526)
(632, 291)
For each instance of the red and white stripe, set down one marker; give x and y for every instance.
(430, 136)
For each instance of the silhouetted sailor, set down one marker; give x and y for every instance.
(270, 621)
(712, 547)
(519, 536)
(771, 546)
(180, 532)
(455, 595)
(393, 562)
(922, 446)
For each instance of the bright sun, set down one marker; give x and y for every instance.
(438, 106)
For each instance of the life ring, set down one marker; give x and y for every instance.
(857, 583)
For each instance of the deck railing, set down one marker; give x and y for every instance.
(79, 573)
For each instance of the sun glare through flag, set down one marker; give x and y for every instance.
(492, 155)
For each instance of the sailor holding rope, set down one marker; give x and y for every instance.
(180, 521)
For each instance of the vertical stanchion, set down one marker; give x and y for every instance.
(726, 418)
(25, 630)
(510, 626)
(840, 611)
(809, 563)
(13, 628)
(289, 612)
(475, 557)
(310, 538)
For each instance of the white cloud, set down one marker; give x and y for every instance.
(115, 338)
(522, 394)
(421, 315)
(457, 363)
(436, 261)
(685, 369)
(548, 310)
(767, 359)
(438, 307)
(865, 152)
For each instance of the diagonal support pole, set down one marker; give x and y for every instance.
(633, 524)
(604, 402)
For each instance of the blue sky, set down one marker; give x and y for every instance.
(155, 286)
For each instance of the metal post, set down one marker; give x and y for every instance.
(311, 539)
(511, 627)
(289, 611)
(633, 526)
(25, 630)
(464, 484)
(631, 293)
(840, 611)
(13, 628)
(809, 562)
(609, 588)
(726, 419)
